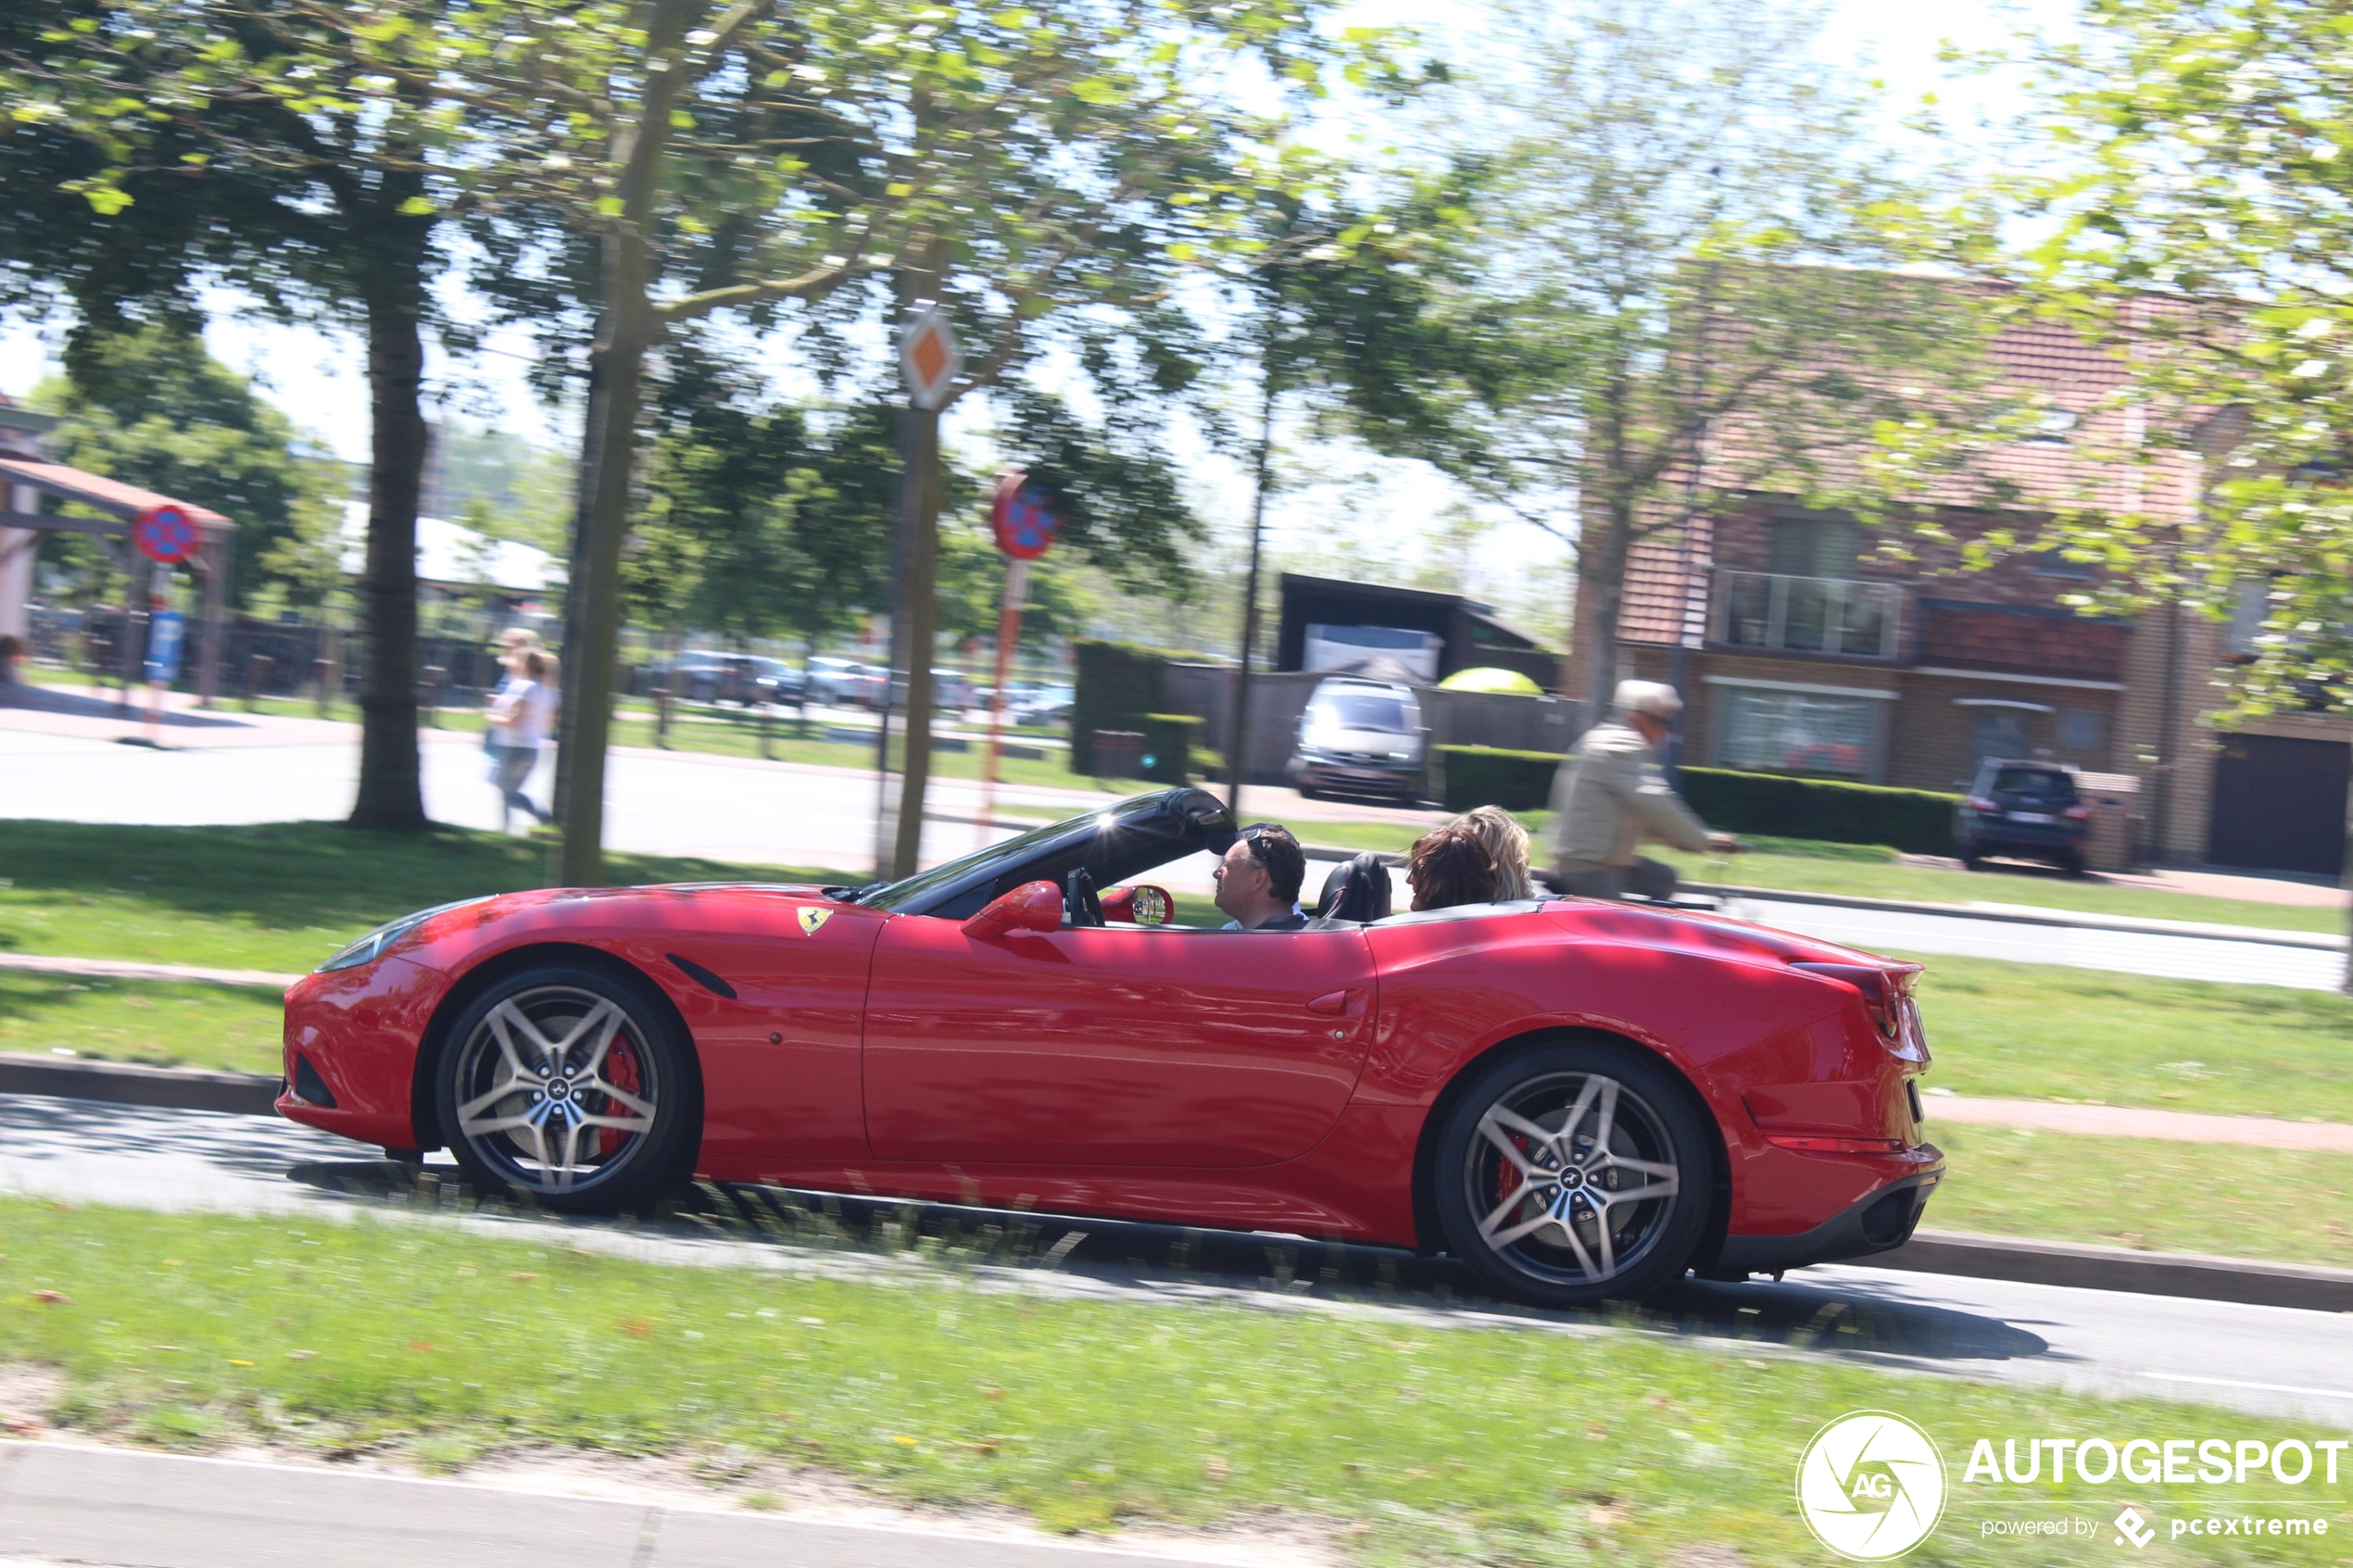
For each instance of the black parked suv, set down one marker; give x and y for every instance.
(2030, 811)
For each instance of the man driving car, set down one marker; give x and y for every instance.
(1258, 880)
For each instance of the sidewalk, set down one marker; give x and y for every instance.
(2134, 1122)
(94, 1505)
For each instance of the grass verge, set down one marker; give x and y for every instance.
(281, 896)
(233, 1028)
(2285, 1205)
(1419, 1446)
(2020, 885)
(2023, 1031)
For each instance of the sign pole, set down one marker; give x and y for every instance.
(1008, 639)
(162, 649)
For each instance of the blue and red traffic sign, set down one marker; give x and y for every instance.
(167, 534)
(1023, 517)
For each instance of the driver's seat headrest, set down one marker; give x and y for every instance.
(1357, 890)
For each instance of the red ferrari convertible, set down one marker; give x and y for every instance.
(1581, 1101)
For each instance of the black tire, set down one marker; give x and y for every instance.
(580, 1133)
(1651, 1125)
(1972, 862)
(1309, 792)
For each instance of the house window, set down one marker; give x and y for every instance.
(1798, 733)
(2082, 729)
(1813, 546)
(1998, 733)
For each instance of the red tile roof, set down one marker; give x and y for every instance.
(106, 495)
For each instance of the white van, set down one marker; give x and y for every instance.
(1360, 737)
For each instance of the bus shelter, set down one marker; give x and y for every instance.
(27, 480)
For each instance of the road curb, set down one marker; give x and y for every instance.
(2082, 1267)
(2267, 937)
(122, 1083)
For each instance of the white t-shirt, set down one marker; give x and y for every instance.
(532, 705)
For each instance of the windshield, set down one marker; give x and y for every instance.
(1116, 843)
(2042, 783)
(1352, 711)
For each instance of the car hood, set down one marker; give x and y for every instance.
(460, 934)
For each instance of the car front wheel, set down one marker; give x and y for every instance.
(1571, 1174)
(573, 1088)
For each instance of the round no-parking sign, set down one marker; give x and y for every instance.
(166, 533)
(1023, 517)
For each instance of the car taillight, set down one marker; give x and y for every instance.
(1887, 995)
(2079, 813)
(1979, 803)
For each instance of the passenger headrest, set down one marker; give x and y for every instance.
(1357, 890)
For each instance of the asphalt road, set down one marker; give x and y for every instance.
(783, 814)
(2264, 1360)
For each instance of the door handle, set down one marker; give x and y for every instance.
(1331, 1005)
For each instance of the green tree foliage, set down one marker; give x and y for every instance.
(762, 519)
(1688, 294)
(2207, 200)
(305, 149)
(152, 408)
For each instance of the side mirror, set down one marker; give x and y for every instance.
(1034, 906)
(1141, 905)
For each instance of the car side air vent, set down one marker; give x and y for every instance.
(308, 1086)
(701, 977)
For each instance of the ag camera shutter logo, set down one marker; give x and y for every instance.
(1871, 1485)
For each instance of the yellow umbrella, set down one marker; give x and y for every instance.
(1488, 678)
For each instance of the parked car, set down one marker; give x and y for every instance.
(1581, 1101)
(1362, 737)
(844, 682)
(712, 675)
(1026, 703)
(2030, 811)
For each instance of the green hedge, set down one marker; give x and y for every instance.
(1918, 822)
(1168, 743)
(1487, 775)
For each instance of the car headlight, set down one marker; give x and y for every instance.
(371, 947)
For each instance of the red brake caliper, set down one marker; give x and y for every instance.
(621, 1072)
(1507, 1181)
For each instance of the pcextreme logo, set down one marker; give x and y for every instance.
(1871, 1485)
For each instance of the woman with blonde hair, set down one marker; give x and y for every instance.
(1506, 843)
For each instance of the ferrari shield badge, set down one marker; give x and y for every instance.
(812, 920)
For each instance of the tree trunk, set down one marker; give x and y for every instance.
(1238, 722)
(610, 443)
(608, 457)
(393, 293)
(1601, 587)
(917, 623)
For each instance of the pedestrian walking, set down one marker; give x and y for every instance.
(1610, 793)
(518, 721)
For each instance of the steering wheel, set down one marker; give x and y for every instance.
(1081, 904)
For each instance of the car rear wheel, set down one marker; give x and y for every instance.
(1571, 1174)
(573, 1088)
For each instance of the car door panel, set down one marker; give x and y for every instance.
(780, 1059)
(1112, 1046)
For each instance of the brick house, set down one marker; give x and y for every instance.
(1806, 649)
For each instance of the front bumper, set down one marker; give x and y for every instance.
(1879, 1220)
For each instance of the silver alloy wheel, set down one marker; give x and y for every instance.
(1571, 1178)
(557, 1090)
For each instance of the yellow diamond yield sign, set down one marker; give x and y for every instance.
(927, 357)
